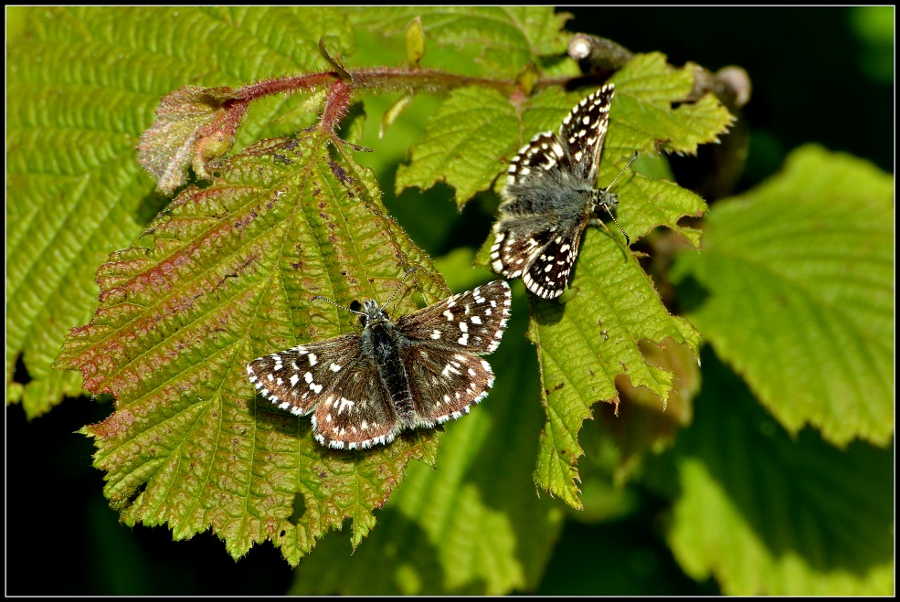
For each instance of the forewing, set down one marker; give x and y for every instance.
(471, 321)
(583, 131)
(294, 379)
(548, 267)
(445, 383)
(355, 411)
(537, 162)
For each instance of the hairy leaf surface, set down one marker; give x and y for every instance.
(81, 87)
(225, 275)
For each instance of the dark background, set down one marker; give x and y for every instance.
(813, 72)
(817, 77)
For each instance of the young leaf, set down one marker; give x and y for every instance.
(507, 37)
(767, 513)
(799, 296)
(225, 275)
(81, 86)
(188, 130)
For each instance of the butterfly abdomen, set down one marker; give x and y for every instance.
(382, 341)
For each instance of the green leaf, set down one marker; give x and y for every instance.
(472, 526)
(225, 275)
(506, 38)
(767, 513)
(473, 135)
(81, 86)
(463, 144)
(586, 343)
(475, 132)
(798, 294)
(647, 116)
(616, 443)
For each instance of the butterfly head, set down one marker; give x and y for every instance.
(604, 200)
(607, 201)
(372, 314)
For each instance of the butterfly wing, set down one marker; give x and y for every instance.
(543, 160)
(584, 130)
(446, 376)
(548, 267)
(537, 194)
(336, 379)
(444, 383)
(356, 411)
(543, 256)
(471, 321)
(294, 379)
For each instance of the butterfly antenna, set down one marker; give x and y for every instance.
(327, 300)
(408, 272)
(624, 169)
(606, 206)
(627, 239)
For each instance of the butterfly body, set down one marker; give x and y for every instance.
(381, 344)
(551, 197)
(418, 371)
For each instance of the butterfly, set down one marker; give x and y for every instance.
(550, 198)
(421, 370)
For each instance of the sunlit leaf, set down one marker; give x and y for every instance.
(770, 514)
(797, 293)
(225, 275)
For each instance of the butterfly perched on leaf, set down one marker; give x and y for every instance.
(550, 197)
(418, 371)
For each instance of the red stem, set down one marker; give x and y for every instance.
(376, 79)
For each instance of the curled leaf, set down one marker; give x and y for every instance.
(415, 42)
(192, 125)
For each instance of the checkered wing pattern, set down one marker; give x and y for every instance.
(445, 384)
(355, 411)
(539, 161)
(542, 257)
(547, 274)
(584, 130)
(472, 321)
(446, 375)
(294, 379)
(337, 380)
